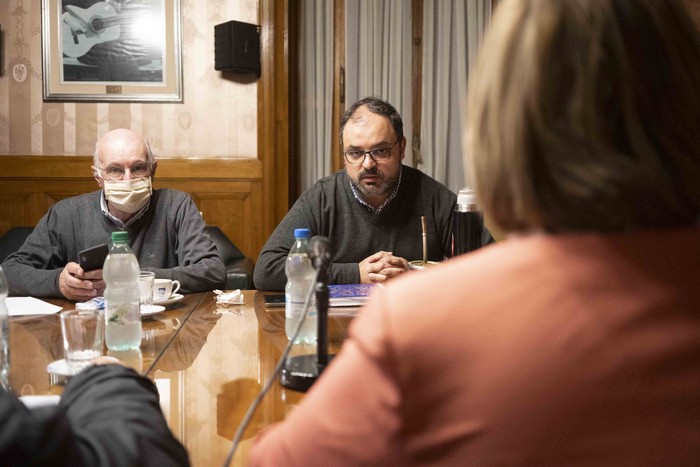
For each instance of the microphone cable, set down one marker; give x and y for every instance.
(258, 399)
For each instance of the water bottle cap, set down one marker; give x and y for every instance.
(120, 236)
(302, 233)
(467, 197)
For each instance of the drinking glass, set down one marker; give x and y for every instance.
(146, 279)
(83, 337)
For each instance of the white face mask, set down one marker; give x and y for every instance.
(128, 195)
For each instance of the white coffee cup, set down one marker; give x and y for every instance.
(164, 288)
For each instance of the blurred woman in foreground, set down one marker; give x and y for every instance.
(577, 340)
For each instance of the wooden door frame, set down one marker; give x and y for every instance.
(273, 112)
(338, 82)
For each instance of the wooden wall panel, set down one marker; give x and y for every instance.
(233, 206)
(23, 200)
(15, 210)
(228, 192)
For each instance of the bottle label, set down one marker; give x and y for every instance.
(122, 313)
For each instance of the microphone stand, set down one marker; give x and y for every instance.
(322, 323)
(300, 372)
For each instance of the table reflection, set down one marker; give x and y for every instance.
(36, 341)
(208, 400)
(208, 362)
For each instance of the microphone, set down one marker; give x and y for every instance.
(301, 371)
(320, 251)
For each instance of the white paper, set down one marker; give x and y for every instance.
(24, 306)
(33, 402)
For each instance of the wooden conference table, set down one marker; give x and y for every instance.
(208, 363)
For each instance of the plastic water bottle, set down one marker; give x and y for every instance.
(467, 223)
(122, 308)
(300, 276)
(4, 334)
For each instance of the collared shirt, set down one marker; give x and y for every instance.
(118, 222)
(379, 209)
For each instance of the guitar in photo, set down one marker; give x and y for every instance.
(82, 28)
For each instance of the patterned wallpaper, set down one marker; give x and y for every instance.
(218, 117)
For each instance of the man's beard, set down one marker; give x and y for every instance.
(384, 187)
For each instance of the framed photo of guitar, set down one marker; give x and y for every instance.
(112, 50)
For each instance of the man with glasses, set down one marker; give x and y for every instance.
(371, 210)
(166, 230)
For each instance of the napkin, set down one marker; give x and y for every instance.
(234, 297)
(97, 303)
(23, 306)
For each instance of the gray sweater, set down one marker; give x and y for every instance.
(169, 239)
(329, 208)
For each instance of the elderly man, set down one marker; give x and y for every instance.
(371, 211)
(166, 231)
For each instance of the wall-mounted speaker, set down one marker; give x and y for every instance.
(237, 47)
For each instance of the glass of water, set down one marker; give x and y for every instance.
(83, 337)
(146, 279)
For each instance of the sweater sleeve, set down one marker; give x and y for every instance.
(108, 415)
(116, 419)
(313, 210)
(36, 437)
(269, 268)
(351, 416)
(33, 270)
(344, 273)
(200, 267)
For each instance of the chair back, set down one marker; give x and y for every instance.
(13, 240)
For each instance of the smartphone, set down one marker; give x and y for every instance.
(274, 301)
(93, 258)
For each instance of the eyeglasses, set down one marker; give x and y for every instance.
(117, 172)
(377, 154)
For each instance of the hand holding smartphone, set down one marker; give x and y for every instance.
(93, 258)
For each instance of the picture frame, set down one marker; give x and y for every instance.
(112, 50)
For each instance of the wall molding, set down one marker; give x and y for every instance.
(58, 167)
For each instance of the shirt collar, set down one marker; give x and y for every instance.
(379, 209)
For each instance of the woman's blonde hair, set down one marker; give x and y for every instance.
(584, 115)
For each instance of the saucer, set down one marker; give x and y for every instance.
(170, 300)
(60, 368)
(148, 310)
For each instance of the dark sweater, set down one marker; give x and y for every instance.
(329, 208)
(168, 239)
(108, 415)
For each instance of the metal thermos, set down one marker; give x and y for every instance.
(467, 223)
